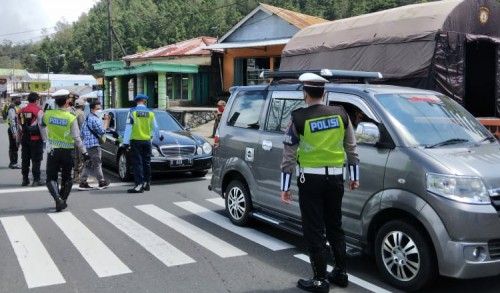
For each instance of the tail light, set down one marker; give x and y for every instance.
(216, 138)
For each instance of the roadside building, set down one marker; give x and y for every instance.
(255, 43)
(178, 74)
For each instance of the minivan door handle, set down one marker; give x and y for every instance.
(267, 145)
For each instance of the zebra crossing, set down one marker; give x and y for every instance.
(40, 269)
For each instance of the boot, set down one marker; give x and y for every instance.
(54, 191)
(339, 276)
(65, 190)
(318, 283)
(136, 189)
(146, 186)
(26, 181)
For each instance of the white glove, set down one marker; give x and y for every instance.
(47, 147)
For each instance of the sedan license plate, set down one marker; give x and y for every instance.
(181, 163)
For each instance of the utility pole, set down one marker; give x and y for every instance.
(110, 32)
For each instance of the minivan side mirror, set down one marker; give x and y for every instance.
(367, 133)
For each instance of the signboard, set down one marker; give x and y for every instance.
(3, 84)
(37, 86)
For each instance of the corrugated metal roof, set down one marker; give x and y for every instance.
(297, 19)
(190, 47)
(251, 44)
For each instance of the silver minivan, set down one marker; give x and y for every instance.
(429, 198)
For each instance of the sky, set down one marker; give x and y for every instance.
(18, 16)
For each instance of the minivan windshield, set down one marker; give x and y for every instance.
(429, 120)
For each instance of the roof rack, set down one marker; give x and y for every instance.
(362, 76)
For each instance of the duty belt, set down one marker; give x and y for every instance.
(321, 170)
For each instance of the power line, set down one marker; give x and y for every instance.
(10, 34)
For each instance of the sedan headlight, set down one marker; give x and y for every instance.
(466, 189)
(207, 148)
(155, 152)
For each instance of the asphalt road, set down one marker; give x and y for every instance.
(174, 238)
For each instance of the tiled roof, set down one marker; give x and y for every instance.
(192, 47)
(297, 19)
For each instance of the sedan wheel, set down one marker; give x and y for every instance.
(405, 256)
(238, 203)
(123, 168)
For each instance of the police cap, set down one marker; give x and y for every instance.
(140, 97)
(312, 80)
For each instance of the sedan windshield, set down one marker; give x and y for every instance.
(431, 121)
(166, 122)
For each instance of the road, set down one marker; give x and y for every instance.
(174, 238)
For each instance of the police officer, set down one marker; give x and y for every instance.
(12, 131)
(31, 140)
(63, 135)
(140, 123)
(317, 139)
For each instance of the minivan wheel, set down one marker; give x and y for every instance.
(123, 168)
(404, 256)
(238, 203)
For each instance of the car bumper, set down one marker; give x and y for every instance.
(162, 165)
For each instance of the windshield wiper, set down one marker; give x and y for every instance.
(447, 142)
(488, 138)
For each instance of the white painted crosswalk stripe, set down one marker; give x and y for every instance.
(248, 233)
(102, 260)
(207, 240)
(157, 246)
(37, 265)
(353, 279)
(217, 201)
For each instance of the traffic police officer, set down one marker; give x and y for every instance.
(31, 140)
(318, 138)
(12, 131)
(140, 123)
(63, 135)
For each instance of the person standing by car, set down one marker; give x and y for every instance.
(63, 135)
(92, 132)
(12, 132)
(140, 123)
(80, 117)
(317, 138)
(31, 140)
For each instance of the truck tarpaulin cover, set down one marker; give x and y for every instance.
(420, 45)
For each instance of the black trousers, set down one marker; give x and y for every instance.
(141, 160)
(13, 149)
(60, 159)
(320, 201)
(31, 151)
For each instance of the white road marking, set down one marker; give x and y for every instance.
(207, 240)
(217, 201)
(352, 278)
(158, 247)
(37, 265)
(104, 262)
(43, 188)
(248, 233)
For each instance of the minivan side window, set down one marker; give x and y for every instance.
(246, 109)
(279, 113)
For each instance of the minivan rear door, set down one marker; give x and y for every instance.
(270, 149)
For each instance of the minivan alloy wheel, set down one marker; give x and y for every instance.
(401, 256)
(238, 203)
(405, 255)
(123, 171)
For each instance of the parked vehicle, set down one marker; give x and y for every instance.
(429, 196)
(180, 150)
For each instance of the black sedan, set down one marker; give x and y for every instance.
(180, 150)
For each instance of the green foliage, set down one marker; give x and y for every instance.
(146, 24)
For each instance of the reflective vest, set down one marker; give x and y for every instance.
(142, 123)
(16, 108)
(321, 130)
(58, 124)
